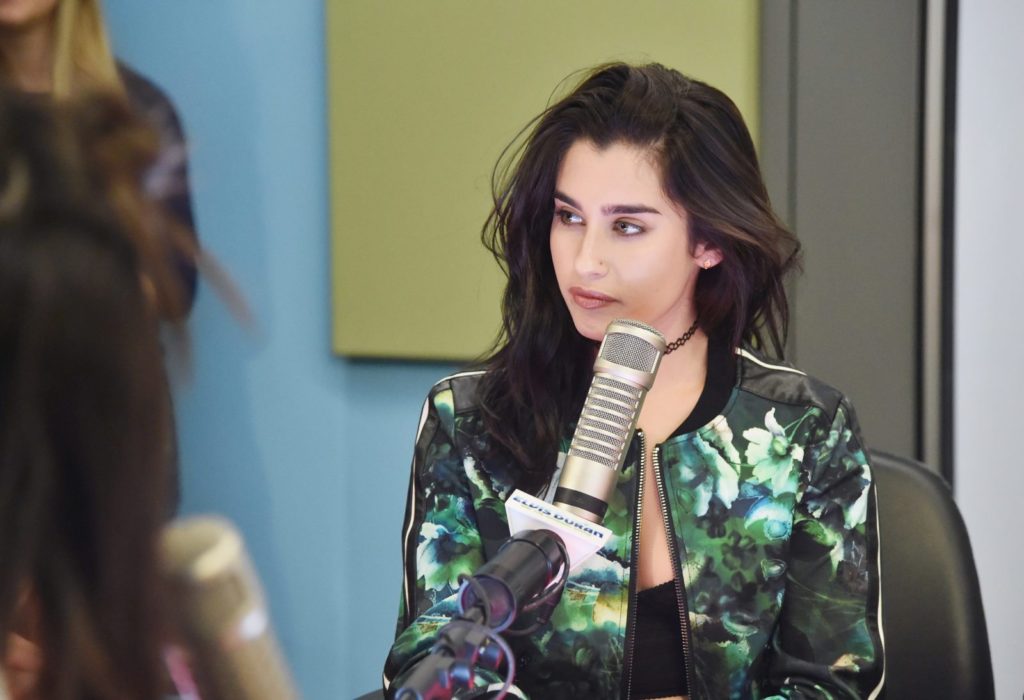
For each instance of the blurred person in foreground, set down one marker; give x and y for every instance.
(56, 51)
(85, 288)
(60, 49)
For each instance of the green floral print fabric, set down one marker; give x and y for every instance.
(771, 512)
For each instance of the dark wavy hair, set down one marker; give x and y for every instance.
(540, 369)
(85, 423)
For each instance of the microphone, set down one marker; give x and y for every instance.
(230, 649)
(523, 568)
(526, 564)
(627, 363)
(518, 578)
(548, 540)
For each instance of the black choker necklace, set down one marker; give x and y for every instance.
(681, 340)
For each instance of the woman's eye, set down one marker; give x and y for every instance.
(568, 218)
(628, 228)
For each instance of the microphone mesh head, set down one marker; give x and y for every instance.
(613, 402)
(629, 350)
(601, 435)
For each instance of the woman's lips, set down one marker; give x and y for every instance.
(589, 299)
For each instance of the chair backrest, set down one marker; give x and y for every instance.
(936, 643)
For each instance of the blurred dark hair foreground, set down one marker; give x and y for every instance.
(89, 158)
(88, 280)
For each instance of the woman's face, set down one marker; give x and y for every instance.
(19, 14)
(620, 246)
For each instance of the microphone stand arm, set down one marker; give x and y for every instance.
(526, 575)
(461, 646)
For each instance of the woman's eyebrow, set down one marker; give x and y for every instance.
(628, 209)
(567, 199)
(612, 208)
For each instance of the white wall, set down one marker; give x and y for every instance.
(989, 325)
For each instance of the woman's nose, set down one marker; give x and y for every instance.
(591, 257)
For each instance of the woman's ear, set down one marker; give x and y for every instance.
(706, 256)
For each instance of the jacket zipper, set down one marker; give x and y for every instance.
(684, 612)
(634, 558)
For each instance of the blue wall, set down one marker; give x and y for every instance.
(308, 453)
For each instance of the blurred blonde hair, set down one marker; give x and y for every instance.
(82, 60)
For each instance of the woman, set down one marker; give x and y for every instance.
(60, 48)
(744, 556)
(84, 419)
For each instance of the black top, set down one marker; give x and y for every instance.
(661, 666)
(660, 662)
(718, 386)
(167, 181)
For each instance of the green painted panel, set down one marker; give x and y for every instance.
(423, 98)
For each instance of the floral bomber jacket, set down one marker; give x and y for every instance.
(773, 533)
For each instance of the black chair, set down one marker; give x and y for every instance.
(936, 644)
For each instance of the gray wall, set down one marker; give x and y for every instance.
(840, 135)
(840, 132)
